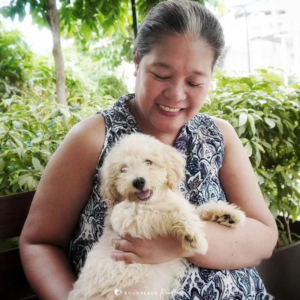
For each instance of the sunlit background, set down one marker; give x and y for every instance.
(258, 34)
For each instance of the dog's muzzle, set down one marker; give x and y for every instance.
(139, 184)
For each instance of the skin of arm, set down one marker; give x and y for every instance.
(248, 245)
(229, 248)
(61, 195)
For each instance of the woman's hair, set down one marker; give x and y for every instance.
(179, 17)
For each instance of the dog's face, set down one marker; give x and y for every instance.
(139, 166)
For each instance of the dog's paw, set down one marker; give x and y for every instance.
(222, 213)
(231, 219)
(195, 242)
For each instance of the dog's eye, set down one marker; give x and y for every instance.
(148, 162)
(123, 170)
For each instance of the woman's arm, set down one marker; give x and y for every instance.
(247, 246)
(62, 193)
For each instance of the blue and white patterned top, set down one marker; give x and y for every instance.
(202, 143)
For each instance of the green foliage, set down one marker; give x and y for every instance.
(111, 52)
(14, 57)
(37, 9)
(89, 79)
(266, 117)
(9, 244)
(143, 6)
(29, 135)
(32, 124)
(102, 17)
(78, 18)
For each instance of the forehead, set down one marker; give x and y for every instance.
(181, 53)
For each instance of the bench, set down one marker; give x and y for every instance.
(13, 213)
(280, 272)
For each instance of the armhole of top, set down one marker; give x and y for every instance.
(215, 126)
(105, 138)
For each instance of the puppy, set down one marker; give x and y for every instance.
(140, 178)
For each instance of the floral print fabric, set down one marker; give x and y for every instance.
(203, 145)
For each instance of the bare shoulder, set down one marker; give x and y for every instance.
(89, 129)
(226, 129)
(83, 143)
(66, 184)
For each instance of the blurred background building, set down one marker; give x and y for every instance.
(260, 34)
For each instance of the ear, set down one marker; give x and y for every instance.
(136, 63)
(108, 189)
(175, 162)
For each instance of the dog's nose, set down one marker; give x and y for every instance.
(139, 183)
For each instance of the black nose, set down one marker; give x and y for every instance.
(139, 183)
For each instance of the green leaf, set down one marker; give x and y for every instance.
(17, 124)
(123, 29)
(2, 164)
(251, 121)
(243, 119)
(244, 140)
(265, 174)
(267, 145)
(270, 122)
(241, 130)
(36, 141)
(286, 178)
(86, 31)
(267, 199)
(259, 146)
(274, 209)
(110, 31)
(279, 168)
(37, 164)
(272, 77)
(259, 179)
(257, 157)
(248, 148)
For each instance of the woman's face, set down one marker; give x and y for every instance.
(172, 82)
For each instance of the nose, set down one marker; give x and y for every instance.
(175, 92)
(139, 183)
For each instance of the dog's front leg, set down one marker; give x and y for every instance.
(183, 224)
(188, 228)
(221, 212)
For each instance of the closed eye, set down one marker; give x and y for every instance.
(195, 84)
(123, 170)
(160, 77)
(148, 162)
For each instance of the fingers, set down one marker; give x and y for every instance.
(124, 252)
(122, 245)
(127, 257)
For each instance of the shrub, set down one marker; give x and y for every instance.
(14, 56)
(266, 116)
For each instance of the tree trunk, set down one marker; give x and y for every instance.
(53, 21)
(134, 18)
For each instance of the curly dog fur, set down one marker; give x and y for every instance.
(140, 178)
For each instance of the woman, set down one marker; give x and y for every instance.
(175, 52)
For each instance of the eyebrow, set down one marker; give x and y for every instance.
(164, 65)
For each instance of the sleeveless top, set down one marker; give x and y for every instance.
(202, 143)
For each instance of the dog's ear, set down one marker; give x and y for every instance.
(175, 163)
(108, 189)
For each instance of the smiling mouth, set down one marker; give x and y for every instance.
(169, 109)
(145, 195)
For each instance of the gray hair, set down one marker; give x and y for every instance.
(179, 17)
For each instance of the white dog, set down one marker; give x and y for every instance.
(140, 176)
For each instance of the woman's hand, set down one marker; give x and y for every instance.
(155, 251)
